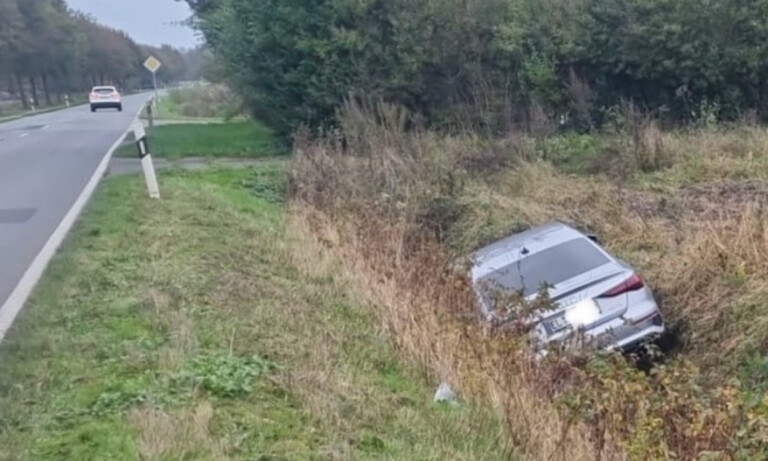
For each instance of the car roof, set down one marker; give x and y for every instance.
(508, 250)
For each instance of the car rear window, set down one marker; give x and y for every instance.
(551, 266)
(104, 90)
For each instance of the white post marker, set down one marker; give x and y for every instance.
(153, 64)
(146, 160)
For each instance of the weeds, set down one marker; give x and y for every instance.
(364, 200)
(225, 376)
(201, 101)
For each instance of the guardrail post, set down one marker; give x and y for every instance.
(146, 160)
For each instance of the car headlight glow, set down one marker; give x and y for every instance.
(583, 313)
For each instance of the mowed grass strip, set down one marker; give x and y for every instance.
(242, 139)
(198, 327)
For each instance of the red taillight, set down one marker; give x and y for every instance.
(633, 283)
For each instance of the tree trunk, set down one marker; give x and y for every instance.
(46, 90)
(13, 86)
(33, 89)
(22, 91)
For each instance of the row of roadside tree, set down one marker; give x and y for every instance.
(48, 51)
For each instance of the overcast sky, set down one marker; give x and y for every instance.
(147, 21)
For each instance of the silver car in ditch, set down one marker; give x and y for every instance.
(593, 294)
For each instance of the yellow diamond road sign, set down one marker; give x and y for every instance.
(152, 64)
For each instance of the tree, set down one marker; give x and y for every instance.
(295, 61)
(13, 39)
(488, 64)
(47, 50)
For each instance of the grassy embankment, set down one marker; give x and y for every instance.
(211, 132)
(686, 207)
(201, 326)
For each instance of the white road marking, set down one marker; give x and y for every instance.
(23, 135)
(45, 127)
(15, 302)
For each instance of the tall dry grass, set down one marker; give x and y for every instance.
(395, 206)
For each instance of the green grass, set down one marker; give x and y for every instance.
(166, 109)
(195, 328)
(233, 140)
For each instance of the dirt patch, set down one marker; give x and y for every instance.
(714, 201)
(645, 205)
(702, 202)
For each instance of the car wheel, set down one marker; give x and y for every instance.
(93, 109)
(120, 108)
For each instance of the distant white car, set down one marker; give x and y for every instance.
(105, 97)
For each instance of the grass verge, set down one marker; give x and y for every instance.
(231, 140)
(200, 327)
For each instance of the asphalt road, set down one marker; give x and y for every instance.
(45, 163)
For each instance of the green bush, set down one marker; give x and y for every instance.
(573, 152)
(494, 63)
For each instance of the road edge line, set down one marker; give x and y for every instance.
(12, 306)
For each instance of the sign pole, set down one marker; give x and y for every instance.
(152, 64)
(154, 83)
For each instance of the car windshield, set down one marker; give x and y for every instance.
(548, 267)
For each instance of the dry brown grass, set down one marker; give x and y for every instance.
(175, 435)
(421, 323)
(721, 262)
(365, 200)
(182, 344)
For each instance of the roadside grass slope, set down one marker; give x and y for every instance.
(201, 327)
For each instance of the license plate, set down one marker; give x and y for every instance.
(105, 97)
(556, 325)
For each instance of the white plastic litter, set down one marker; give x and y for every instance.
(445, 394)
